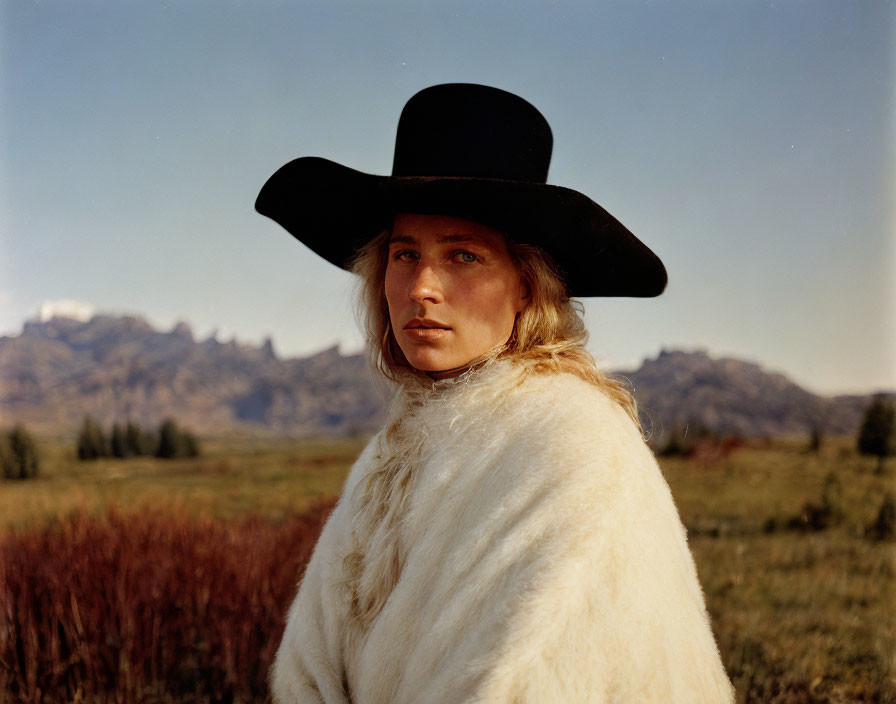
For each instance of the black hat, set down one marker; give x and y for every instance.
(474, 152)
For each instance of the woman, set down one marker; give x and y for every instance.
(507, 537)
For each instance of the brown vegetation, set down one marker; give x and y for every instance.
(147, 607)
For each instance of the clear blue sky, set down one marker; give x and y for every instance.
(750, 144)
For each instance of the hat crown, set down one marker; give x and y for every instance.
(472, 131)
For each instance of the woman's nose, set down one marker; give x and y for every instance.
(425, 285)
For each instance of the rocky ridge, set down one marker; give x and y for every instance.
(117, 368)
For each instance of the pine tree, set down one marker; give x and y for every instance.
(175, 442)
(816, 436)
(117, 443)
(91, 442)
(168, 439)
(23, 452)
(877, 435)
(7, 461)
(884, 526)
(133, 439)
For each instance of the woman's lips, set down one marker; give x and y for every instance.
(423, 329)
(426, 333)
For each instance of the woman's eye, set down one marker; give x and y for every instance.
(405, 255)
(466, 257)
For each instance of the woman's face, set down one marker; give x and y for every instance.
(453, 290)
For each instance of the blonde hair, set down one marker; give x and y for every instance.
(548, 336)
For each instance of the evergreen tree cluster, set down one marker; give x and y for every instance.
(130, 440)
(175, 442)
(877, 435)
(18, 454)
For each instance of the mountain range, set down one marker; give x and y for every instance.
(119, 367)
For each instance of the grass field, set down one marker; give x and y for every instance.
(234, 477)
(800, 615)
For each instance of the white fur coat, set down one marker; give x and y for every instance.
(540, 559)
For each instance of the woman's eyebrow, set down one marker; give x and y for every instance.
(459, 238)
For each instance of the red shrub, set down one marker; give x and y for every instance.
(138, 608)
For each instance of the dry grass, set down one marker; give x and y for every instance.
(800, 616)
(147, 607)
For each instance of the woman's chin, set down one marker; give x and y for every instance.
(436, 364)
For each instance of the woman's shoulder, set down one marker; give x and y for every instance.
(558, 421)
(566, 401)
(572, 388)
(521, 419)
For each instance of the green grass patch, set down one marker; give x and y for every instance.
(232, 478)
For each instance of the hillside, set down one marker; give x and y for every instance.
(115, 368)
(734, 397)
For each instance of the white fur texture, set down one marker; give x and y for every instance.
(544, 561)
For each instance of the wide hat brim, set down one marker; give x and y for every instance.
(335, 210)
